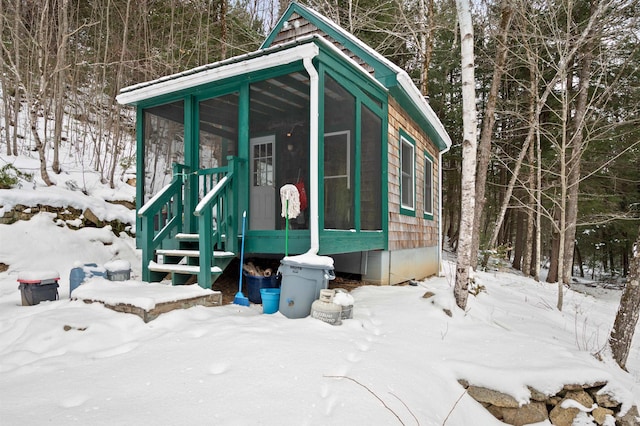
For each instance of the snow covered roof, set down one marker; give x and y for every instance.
(259, 60)
(372, 57)
(387, 74)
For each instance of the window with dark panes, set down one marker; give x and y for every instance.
(428, 185)
(407, 164)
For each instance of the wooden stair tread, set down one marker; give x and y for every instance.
(187, 237)
(191, 253)
(180, 269)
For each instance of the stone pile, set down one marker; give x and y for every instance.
(560, 409)
(72, 217)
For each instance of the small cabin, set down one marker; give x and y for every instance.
(316, 108)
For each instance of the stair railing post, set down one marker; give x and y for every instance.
(206, 249)
(147, 249)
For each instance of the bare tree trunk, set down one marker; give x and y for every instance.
(578, 257)
(60, 72)
(223, 29)
(4, 86)
(6, 105)
(518, 246)
(469, 152)
(16, 65)
(573, 178)
(538, 258)
(484, 146)
(529, 245)
(562, 224)
(426, 43)
(43, 38)
(115, 151)
(39, 145)
(626, 320)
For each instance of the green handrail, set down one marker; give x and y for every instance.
(161, 217)
(215, 214)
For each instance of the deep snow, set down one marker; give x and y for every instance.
(68, 362)
(397, 360)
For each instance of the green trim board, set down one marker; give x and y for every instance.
(273, 242)
(361, 97)
(140, 160)
(342, 241)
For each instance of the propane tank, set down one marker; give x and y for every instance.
(325, 310)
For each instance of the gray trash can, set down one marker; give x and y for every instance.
(301, 284)
(118, 270)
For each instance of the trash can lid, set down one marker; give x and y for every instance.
(117, 266)
(309, 261)
(35, 277)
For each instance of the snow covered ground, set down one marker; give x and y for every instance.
(66, 362)
(398, 360)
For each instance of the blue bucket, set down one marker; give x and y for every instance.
(255, 284)
(270, 300)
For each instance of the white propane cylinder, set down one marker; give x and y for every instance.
(325, 310)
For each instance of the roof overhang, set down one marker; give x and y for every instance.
(256, 61)
(392, 77)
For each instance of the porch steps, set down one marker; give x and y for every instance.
(187, 237)
(180, 269)
(184, 263)
(191, 253)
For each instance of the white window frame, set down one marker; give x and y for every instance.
(405, 141)
(347, 146)
(428, 178)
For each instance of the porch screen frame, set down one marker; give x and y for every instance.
(375, 98)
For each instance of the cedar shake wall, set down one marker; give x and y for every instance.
(306, 28)
(407, 231)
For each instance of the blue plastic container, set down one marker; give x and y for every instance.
(255, 284)
(79, 274)
(270, 300)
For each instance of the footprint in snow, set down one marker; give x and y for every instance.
(73, 401)
(218, 368)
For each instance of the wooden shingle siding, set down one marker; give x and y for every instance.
(306, 28)
(408, 231)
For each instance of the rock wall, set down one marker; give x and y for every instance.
(560, 409)
(72, 217)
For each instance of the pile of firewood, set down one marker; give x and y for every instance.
(256, 271)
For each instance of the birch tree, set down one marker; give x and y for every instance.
(469, 150)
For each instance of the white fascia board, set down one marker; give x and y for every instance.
(401, 75)
(358, 68)
(407, 84)
(182, 81)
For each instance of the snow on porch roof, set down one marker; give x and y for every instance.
(282, 54)
(249, 62)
